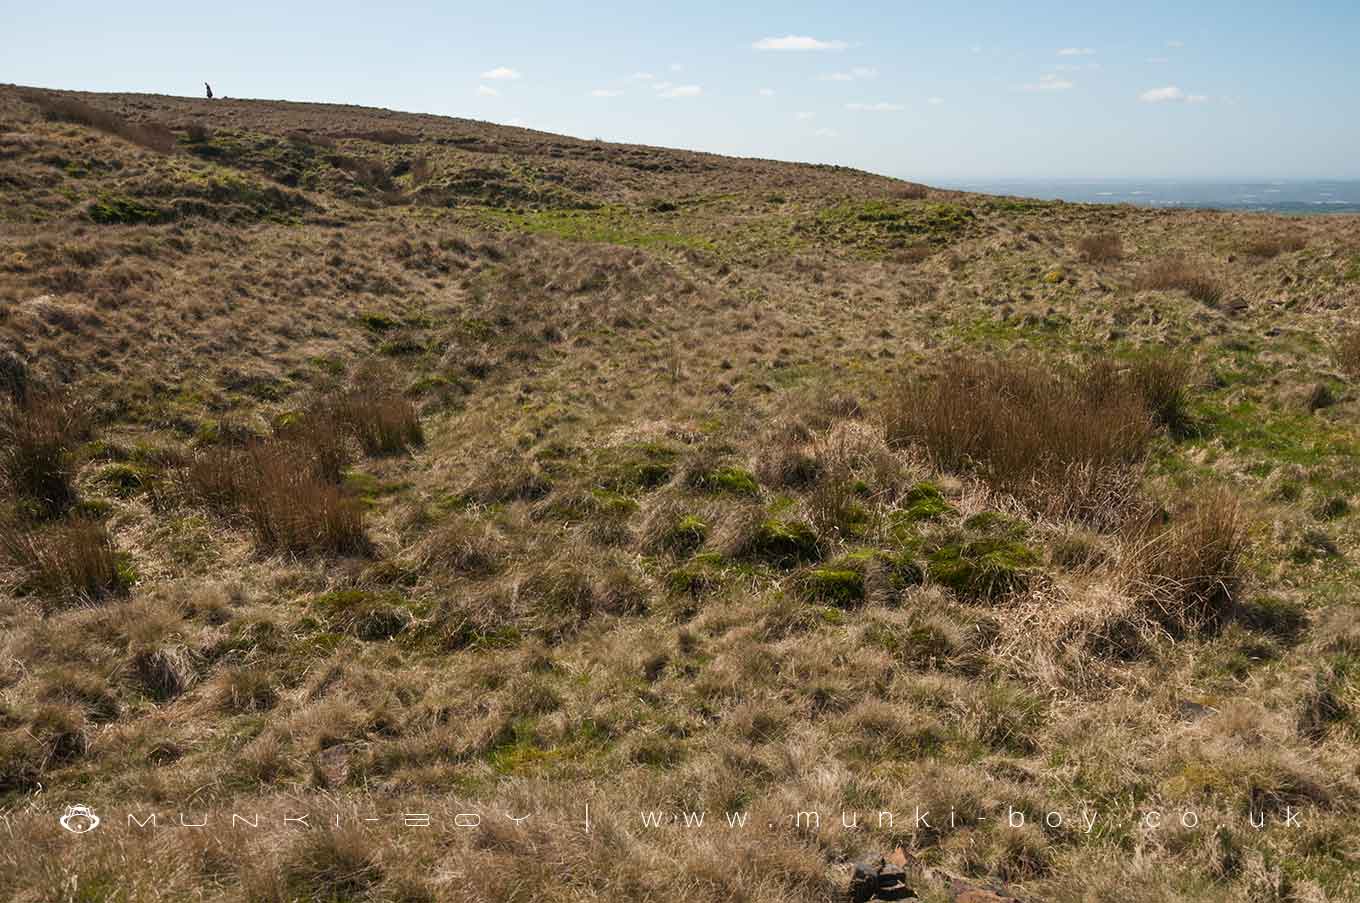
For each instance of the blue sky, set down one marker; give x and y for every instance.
(929, 91)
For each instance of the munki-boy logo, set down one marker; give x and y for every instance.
(79, 819)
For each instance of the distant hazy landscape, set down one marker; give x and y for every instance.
(1299, 196)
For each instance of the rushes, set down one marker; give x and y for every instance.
(37, 435)
(73, 561)
(383, 421)
(1063, 442)
(1172, 273)
(1188, 571)
(287, 487)
(1347, 352)
(280, 488)
(1103, 247)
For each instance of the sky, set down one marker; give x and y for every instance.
(926, 91)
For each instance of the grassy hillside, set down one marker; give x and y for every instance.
(366, 463)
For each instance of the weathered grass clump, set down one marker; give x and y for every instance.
(1171, 273)
(1103, 247)
(1067, 442)
(1188, 571)
(369, 616)
(72, 561)
(37, 436)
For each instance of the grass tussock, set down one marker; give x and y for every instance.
(65, 563)
(1103, 247)
(37, 436)
(1065, 441)
(1173, 273)
(150, 135)
(1188, 570)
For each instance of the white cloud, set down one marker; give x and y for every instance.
(1050, 82)
(766, 92)
(665, 89)
(484, 91)
(676, 67)
(1175, 45)
(641, 77)
(1076, 51)
(856, 74)
(1158, 59)
(798, 42)
(977, 48)
(605, 92)
(502, 73)
(875, 107)
(805, 115)
(1171, 94)
(825, 133)
(935, 101)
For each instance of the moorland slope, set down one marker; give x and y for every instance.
(365, 463)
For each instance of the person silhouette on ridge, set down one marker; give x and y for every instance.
(208, 87)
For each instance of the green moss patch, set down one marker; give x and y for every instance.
(784, 543)
(123, 210)
(982, 568)
(924, 501)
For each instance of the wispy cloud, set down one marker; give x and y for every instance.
(1158, 60)
(501, 73)
(766, 92)
(875, 107)
(641, 77)
(805, 115)
(826, 133)
(1171, 94)
(859, 73)
(798, 42)
(605, 92)
(485, 91)
(666, 89)
(1049, 82)
(935, 101)
(1076, 51)
(1175, 45)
